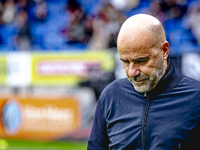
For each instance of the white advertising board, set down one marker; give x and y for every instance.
(191, 65)
(18, 69)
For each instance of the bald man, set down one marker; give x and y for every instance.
(155, 107)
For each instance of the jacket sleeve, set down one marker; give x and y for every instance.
(98, 138)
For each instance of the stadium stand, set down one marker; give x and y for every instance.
(40, 25)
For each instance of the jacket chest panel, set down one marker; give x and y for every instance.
(165, 126)
(171, 123)
(124, 122)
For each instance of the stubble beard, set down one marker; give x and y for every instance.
(149, 82)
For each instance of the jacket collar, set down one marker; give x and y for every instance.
(168, 81)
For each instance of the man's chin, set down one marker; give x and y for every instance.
(141, 89)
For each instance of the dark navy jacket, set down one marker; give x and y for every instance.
(167, 118)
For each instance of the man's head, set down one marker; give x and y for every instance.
(143, 49)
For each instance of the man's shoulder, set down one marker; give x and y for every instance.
(121, 81)
(190, 83)
(117, 87)
(191, 80)
(118, 83)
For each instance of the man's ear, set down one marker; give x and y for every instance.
(165, 49)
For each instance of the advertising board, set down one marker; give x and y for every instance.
(3, 70)
(21, 69)
(69, 68)
(39, 118)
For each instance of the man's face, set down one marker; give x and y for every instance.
(143, 64)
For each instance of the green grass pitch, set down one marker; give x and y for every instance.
(30, 145)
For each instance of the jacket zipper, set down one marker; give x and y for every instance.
(144, 124)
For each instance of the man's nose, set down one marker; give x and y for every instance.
(133, 70)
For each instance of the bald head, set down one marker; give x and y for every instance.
(143, 49)
(142, 27)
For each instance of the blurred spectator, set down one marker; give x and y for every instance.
(106, 25)
(79, 28)
(191, 20)
(174, 8)
(98, 30)
(75, 31)
(7, 11)
(72, 6)
(98, 39)
(23, 30)
(88, 28)
(22, 4)
(167, 9)
(155, 9)
(41, 10)
(124, 4)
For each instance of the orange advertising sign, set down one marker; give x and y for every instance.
(38, 118)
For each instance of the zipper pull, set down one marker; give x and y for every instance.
(145, 94)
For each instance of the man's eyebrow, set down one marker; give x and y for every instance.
(141, 59)
(123, 59)
(138, 59)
